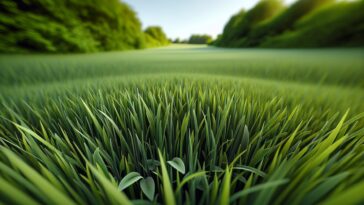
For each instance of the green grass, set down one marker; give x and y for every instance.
(187, 124)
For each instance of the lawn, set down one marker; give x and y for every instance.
(183, 124)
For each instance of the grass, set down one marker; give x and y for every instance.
(183, 125)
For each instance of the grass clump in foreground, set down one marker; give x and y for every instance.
(176, 139)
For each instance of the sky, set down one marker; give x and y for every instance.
(181, 18)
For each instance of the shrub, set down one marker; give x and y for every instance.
(68, 26)
(155, 36)
(240, 24)
(307, 23)
(335, 25)
(283, 21)
(200, 39)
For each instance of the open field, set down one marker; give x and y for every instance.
(183, 124)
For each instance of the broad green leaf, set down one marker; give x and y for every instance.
(152, 164)
(178, 164)
(129, 180)
(148, 187)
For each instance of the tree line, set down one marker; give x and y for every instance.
(62, 26)
(195, 39)
(306, 23)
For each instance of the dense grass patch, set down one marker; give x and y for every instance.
(118, 136)
(155, 37)
(318, 66)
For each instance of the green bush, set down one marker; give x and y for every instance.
(228, 35)
(200, 39)
(283, 21)
(307, 23)
(335, 25)
(241, 24)
(68, 26)
(155, 36)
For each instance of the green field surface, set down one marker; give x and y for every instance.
(183, 124)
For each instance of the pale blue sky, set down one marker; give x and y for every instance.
(181, 18)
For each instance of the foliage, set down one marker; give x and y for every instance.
(155, 37)
(306, 23)
(200, 39)
(68, 26)
(196, 136)
(242, 23)
(177, 40)
(284, 21)
(339, 24)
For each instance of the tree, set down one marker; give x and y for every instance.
(284, 21)
(68, 26)
(200, 39)
(155, 36)
(306, 23)
(240, 25)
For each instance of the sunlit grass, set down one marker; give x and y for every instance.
(126, 133)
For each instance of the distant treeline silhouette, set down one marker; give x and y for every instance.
(195, 39)
(200, 39)
(72, 26)
(306, 23)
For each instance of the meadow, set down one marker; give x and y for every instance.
(183, 125)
